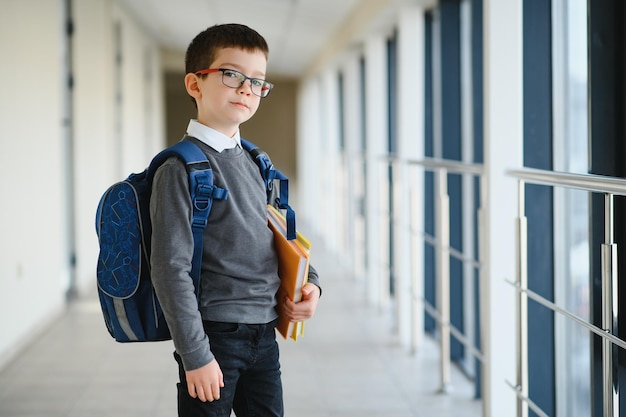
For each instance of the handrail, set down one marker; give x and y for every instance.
(452, 166)
(582, 322)
(531, 404)
(433, 164)
(443, 253)
(609, 186)
(587, 182)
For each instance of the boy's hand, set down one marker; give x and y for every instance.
(306, 307)
(205, 383)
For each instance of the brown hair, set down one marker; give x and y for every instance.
(204, 47)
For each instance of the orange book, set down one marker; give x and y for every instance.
(293, 268)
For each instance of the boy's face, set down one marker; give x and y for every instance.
(221, 107)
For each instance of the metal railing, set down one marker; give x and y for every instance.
(440, 241)
(440, 312)
(593, 184)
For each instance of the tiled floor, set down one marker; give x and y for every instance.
(347, 365)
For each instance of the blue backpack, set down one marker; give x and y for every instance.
(131, 310)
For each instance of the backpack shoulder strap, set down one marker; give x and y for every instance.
(202, 192)
(269, 174)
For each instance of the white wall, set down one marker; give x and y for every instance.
(353, 153)
(376, 125)
(111, 141)
(329, 176)
(93, 126)
(33, 274)
(409, 258)
(503, 144)
(34, 255)
(308, 158)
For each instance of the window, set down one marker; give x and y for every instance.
(570, 110)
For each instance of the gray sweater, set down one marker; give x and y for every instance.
(239, 278)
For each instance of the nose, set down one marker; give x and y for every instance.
(245, 87)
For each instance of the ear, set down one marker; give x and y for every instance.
(192, 87)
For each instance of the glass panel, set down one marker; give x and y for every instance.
(572, 206)
(470, 307)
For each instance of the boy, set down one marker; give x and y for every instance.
(225, 341)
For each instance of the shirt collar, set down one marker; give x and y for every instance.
(212, 137)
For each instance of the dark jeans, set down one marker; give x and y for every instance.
(248, 357)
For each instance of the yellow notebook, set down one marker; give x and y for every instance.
(293, 268)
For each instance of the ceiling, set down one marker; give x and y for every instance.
(296, 30)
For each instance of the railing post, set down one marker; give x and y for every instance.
(609, 312)
(522, 304)
(417, 281)
(442, 210)
(483, 247)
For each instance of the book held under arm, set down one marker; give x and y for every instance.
(293, 268)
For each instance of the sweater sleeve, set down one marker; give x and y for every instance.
(170, 260)
(314, 278)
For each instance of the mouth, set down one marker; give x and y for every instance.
(239, 104)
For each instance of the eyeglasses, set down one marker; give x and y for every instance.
(235, 79)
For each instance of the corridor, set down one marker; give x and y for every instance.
(347, 365)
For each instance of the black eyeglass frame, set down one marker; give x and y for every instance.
(264, 85)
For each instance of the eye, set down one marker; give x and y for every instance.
(231, 74)
(257, 83)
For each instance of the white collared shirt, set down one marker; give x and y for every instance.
(212, 137)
